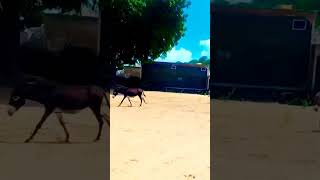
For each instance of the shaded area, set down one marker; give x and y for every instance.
(270, 139)
(74, 65)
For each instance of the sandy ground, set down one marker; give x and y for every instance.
(168, 138)
(264, 141)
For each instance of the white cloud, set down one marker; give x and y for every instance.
(206, 47)
(174, 55)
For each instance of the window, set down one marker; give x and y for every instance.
(203, 69)
(173, 67)
(299, 25)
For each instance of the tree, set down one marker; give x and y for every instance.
(141, 30)
(307, 4)
(204, 60)
(194, 61)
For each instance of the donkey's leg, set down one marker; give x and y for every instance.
(130, 101)
(122, 100)
(144, 100)
(44, 117)
(96, 111)
(140, 99)
(60, 118)
(107, 118)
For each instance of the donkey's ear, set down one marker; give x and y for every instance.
(15, 98)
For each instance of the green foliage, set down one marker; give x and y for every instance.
(132, 30)
(300, 102)
(307, 4)
(203, 60)
(220, 2)
(141, 30)
(194, 61)
(137, 30)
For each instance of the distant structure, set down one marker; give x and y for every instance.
(264, 50)
(59, 30)
(79, 31)
(175, 77)
(132, 71)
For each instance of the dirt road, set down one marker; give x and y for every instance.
(168, 138)
(264, 141)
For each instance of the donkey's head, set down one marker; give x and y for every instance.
(19, 96)
(16, 101)
(115, 93)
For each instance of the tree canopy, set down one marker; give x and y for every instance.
(204, 60)
(132, 30)
(139, 31)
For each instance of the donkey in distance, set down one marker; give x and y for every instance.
(129, 92)
(60, 99)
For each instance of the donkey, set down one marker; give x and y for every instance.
(60, 99)
(129, 92)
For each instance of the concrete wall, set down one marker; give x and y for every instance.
(75, 30)
(132, 72)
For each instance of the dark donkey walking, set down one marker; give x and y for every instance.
(60, 99)
(129, 92)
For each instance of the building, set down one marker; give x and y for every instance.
(262, 49)
(182, 77)
(79, 31)
(132, 71)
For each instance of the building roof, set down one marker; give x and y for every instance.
(266, 12)
(311, 16)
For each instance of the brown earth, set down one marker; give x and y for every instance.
(264, 141)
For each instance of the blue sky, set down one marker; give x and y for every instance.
(196, 42)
